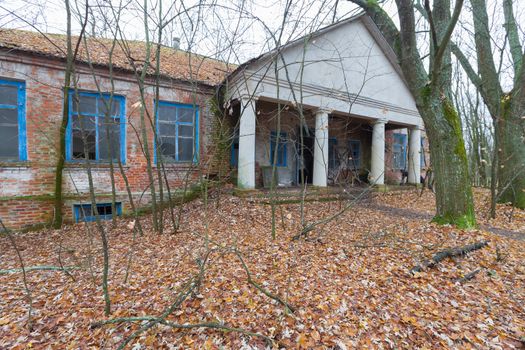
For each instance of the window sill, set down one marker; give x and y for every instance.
(15, 164)
(277, 166)
(188, 164)
(93, 166)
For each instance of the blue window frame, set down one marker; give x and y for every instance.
(91, 121)
(282, 149)
(399, 150)
(84, 212)
(13, 120)
(333, 155)
(234, 158)
(177, 132)
(354, 154)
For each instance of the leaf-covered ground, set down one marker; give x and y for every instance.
(349, 281)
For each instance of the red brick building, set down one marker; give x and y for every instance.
(108, 105)
(32, 68)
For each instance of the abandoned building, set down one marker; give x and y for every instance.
(328, 108)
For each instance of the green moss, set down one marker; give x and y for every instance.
(466, 221)
(221, 137)
(40, 197)
(425, 92)
(506, 104)
(452, 117)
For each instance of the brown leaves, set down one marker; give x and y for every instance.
(350, 283)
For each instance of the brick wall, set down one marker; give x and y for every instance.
(26, 188)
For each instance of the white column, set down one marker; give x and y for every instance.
(246, 163)
(377, 166)
(414, 156)
(321, 149)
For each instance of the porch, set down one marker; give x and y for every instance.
(317, 146)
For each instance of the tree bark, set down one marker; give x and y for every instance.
(506, 109)
(454, 202)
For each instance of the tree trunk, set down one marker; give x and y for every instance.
(511, 152)
(506, 109)
(454, 201)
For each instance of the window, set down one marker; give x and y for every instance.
(84, 212)
(177, 131)
(96, 130)
(354, 154)
(234, 159)
(12, 120)
(422, 159)
(333, 156)
(399, 151)
(281, 149)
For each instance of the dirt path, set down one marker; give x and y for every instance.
(419, 215)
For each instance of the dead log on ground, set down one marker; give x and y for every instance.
(468, 276)
(448, 253)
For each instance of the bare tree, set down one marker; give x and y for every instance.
(432, 91)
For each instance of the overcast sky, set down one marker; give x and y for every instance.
(247, 25)
(232, 30)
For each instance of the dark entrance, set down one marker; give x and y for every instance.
(306, 150)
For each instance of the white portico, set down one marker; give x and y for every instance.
(322, 105)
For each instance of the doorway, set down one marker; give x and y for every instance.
(305, 155)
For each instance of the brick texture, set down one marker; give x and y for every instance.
(26, 188)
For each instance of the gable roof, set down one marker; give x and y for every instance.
(174, 64)
(362, 16)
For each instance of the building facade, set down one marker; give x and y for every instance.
(104, 129)
(329, 108)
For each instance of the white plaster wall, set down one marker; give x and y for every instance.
(339, 65)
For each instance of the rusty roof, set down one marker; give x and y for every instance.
(174, 64)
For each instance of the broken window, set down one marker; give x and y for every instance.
(177, 132)
(12, 120)
(85, 212)
(96, 128)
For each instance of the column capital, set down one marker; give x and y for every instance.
(246, 97)
(380, 121)
(417, 127)
(323, 110)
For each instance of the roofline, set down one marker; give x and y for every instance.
(369, 25)
(295, 41)
(39, 54)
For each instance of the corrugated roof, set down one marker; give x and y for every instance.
(175, 64)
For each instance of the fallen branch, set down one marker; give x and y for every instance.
(259, 287)
(212, 325)
(186, 290)
(39, 268)
(468, 276)
(448, 253)
(311, 226)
